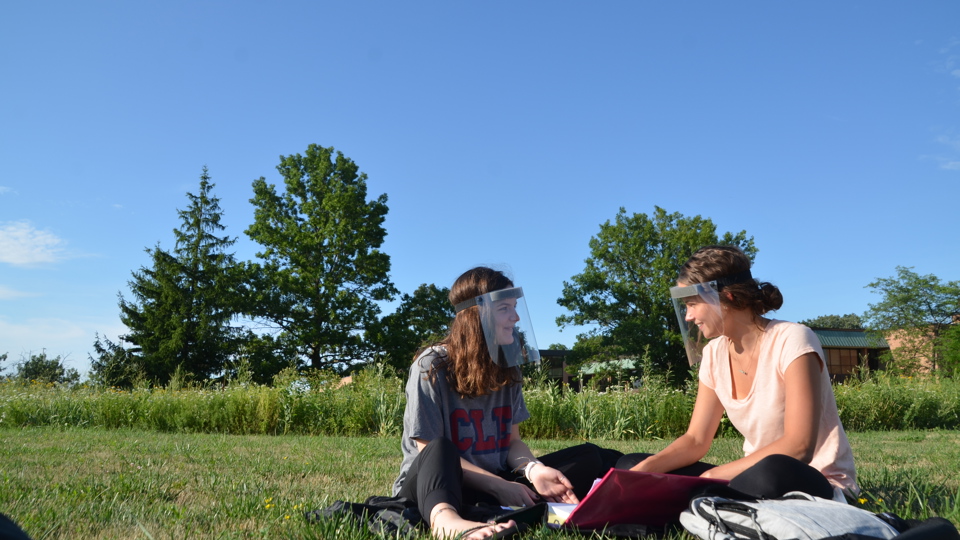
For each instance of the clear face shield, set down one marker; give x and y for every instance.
(699, 314)
(506, 326)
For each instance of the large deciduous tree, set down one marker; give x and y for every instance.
(915, 314)
(322, 271)
(950, 351)
(850, 321)
(623, 292)
(41, 368)
(183, 303)
(419, 320)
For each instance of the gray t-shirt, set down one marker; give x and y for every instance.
(480, 427)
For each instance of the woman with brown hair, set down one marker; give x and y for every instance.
(461, 443)
(768, 376)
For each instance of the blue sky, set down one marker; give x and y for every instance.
(503, 133)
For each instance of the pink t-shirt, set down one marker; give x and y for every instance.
(759, 415)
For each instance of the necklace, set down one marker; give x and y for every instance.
(753, 356)
(740, 367)
(750, 357)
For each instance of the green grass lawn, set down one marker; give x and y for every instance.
(124, 484)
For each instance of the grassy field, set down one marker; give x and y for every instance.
(124, 484)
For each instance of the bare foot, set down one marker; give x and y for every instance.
(449, 525)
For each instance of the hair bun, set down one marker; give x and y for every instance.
(772, 298)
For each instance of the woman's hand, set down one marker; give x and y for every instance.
(515, 494)
(712, 473)
(549, 482)
(552, 484)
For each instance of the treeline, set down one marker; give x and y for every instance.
(310, 300)
(372, 404)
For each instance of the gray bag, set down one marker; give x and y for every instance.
(796, 516)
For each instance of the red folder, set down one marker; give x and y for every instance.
(635, 497)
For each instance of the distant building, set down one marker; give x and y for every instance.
(916, 347)
(556, 363)
(559, 370)
(846, 351)
(849, 350)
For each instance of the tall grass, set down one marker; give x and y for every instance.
(314, 405)
(887, 402)
(652, 410)
(372, 404)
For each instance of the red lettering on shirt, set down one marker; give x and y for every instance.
(483, 444)
(503, 417)
(458, 419)
(461, 420)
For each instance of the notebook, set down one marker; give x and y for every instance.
(633, 497)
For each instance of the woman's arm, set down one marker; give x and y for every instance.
(801, 421)
(694, 444)
(549, 482)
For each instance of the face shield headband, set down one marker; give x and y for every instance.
(699, 315)
(506, 326)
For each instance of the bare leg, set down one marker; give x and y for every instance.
(446, 523)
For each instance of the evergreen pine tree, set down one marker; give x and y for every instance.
(183, 304)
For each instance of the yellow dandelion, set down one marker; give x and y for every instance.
(286, 517)
(861, 500)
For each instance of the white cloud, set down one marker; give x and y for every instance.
(22, 244)
(52, 329)
(952, 142)
(5, 189)
(951, 43)
(948, 64)
(948, 160)
(71, 340)
(7, 293)
(56, 337)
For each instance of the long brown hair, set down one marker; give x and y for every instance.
(469, 369)
(713, 263)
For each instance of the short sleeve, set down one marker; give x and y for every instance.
(797, 340)
(520, 412)
(423, 417)
(708, 365)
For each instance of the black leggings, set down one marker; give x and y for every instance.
(769, 478)
(436, 476)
